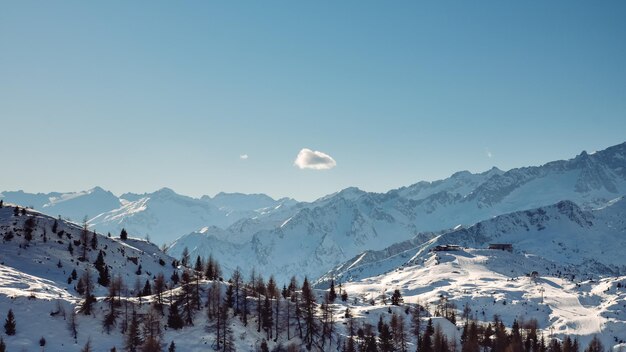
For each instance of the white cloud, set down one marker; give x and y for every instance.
(488, 152)
(312, 159)
(243, 156)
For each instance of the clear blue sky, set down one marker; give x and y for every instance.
(137, 95)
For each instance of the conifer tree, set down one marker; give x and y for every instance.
(55, 226)
(9, 323)
(308, 308)
(427, 344)
(3, 346)
(236, 281)
(159, 288)
(72, 325)
(471, 343)
(230, 296)
(385, 337)
(199, 266)
(133, 334)
(84, 238)
(123, 235)
(332, 295)
(172, 347)
(94, 241)
(152, 333)
(396, 298)
(174, 320)
(175, 278)
(595, 345)
(266, 316)
(147, 290)
(104, 278)
(87, 347)
(184, 257)
(88, 298)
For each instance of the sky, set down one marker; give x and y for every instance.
(301, 99)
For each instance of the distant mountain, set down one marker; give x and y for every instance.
(582, 243)
(311, 238)
(162, 216)
(73, 205)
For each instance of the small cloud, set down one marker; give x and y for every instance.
(488, 152)
(312, 159)
(243, 157)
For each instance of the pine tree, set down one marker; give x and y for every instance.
(147, 290)
(3, 346)
(175, 278)
(427, 344)
(332, 295)
(236, 280)
(184, 257)
(55, 226)
(308, 308)
(266, 317)
(94, 241)
(385, 337)
(199, 267)
(104, 278)
(152, 333)
(123, 235)
(595, 345)
(29, 227)
(470, 343)
(87, 347)
(89, 298)
(172, 347)
(230, 296)
(159, 288)
(70, 249)
(133, 336)
(9, 323)
(396, 298)
(84, 237)
(72, 325)
(174, 320)
(515, 344)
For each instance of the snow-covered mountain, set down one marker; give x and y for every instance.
(577, 242)
(72, 205)
(566, 269)
(162, 216)
(310, 238)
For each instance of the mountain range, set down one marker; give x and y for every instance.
(309, 238)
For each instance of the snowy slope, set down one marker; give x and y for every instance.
(495, 282)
